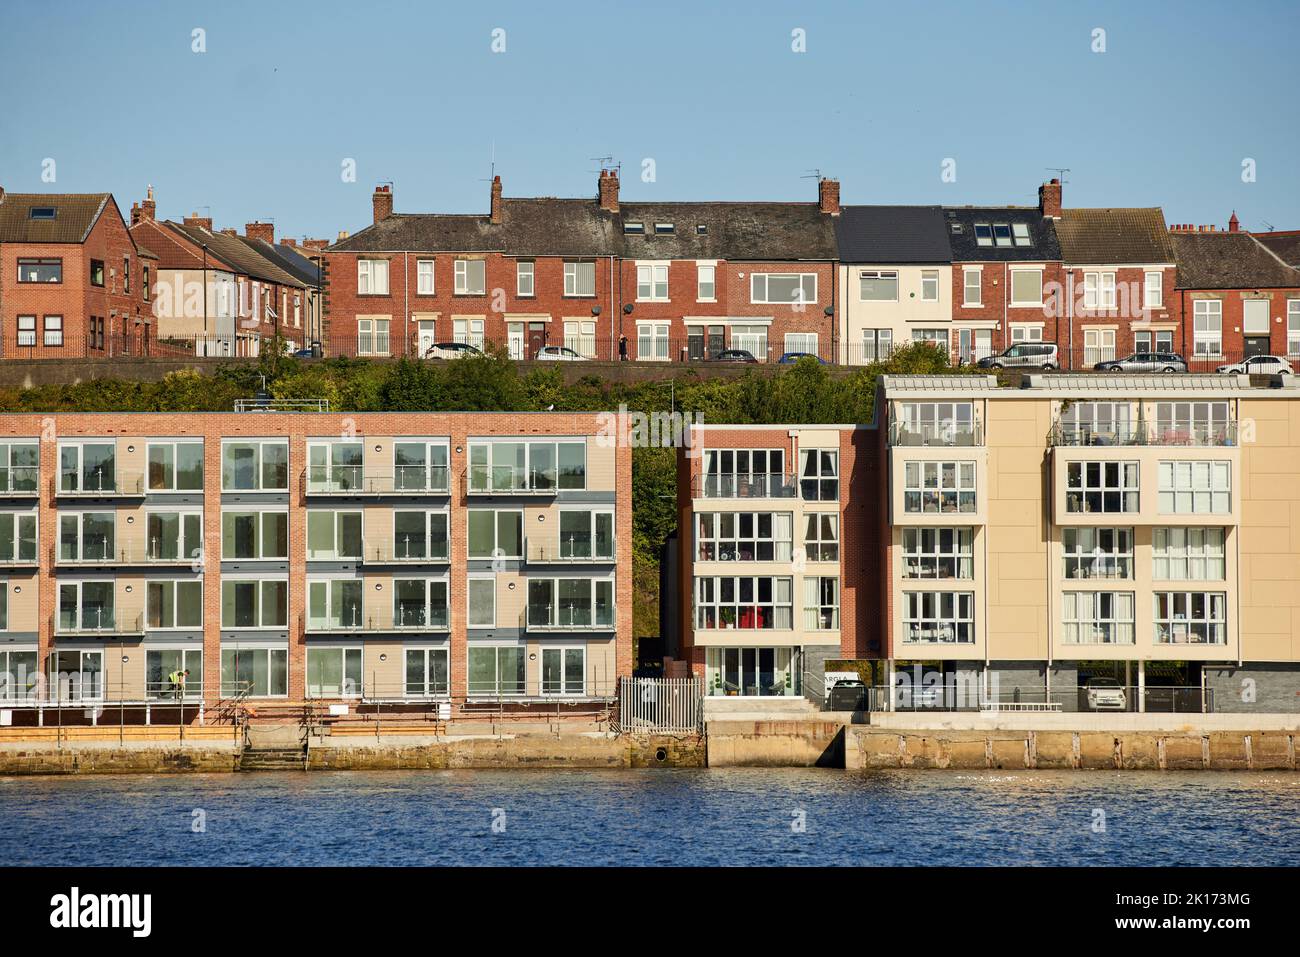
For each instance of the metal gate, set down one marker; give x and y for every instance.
(673, 705)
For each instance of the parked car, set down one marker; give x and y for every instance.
(734, 355)
(1024, 355)
(790, 358)
(1260, 365)
(307, 353)
(451, 350)
(1105, 694)
(1145, 362)
(559, 354)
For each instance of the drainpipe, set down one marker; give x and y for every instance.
(406, 295)
(1006, 299)
(1069, 300)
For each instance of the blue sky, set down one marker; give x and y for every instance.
(259, 125)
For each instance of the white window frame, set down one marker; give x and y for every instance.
(714, 543)
(373, 336)
(1195, 487)
(929, 616)
(259, 468)
(13, 553)
(175, 447)
(332, 554)
(1128, 488)
(349, 687)
(708, 595)
(1153, 291)
(424, 277)
(174, 584)
(927, 482)
(574, 270)
(187, 551)
(821, 602)
(260, 533)
(1293, 327)
(238, 649)
(652, 282)
(1033, 303)
(1189, 554)
(1179, 620)
(1084, 558)
(429, 607)
(701, 282)
(471, 582)
(657, 335)
(1099, 290)
(805, 297)
(463, 277)
(967, 274)
(496, 551)
(801, 342)
(927, 551)
(443, 554)
(929, 285)
(525, 278)
(1097, 618)
(878, 274)
(565, 690)
(372, 277)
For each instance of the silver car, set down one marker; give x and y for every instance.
(1145, 362)
(1024, 355)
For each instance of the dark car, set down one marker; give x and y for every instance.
(451, 350)
(792, 357)
(1145, 362)
(734, 355)
(308, 353)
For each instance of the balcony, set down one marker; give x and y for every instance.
(549, 552)
(406, 553)
(565, 618)
(943, 435)
(20, 558)
(415, 620)
(482, 480)
(776, 485)
(21, 481)
(1164, 435)
(352, 480)
(109, 484)
(122, 555)
(101, 624)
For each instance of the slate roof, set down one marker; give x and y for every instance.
(1222, 260)
(235, 251)
(75, 215)
(171, 251)
(1121, 236)
(548, 226)
(1285, 244)
(961, 241)
(892, 234)
(287, 258)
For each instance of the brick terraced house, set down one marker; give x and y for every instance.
(73, 282)
(406, 560)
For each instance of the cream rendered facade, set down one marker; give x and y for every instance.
(1146, 528)
(920, 306)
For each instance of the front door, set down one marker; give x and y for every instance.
(515, 339)
(695, 343)
(536, 338)
(717, 339)
(1256, 346)
(424, 337)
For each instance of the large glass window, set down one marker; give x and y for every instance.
(333, 535)
(564, 671)
(821, 602)
(334, 673)
(745, 473)
(783, 288)
(524, 466)
(482, 602)
(254, 604)
(255, 672)
(937, 487)
(172, 674)
(77, 675)
(427, 672)
(1101, 486)
(1097, 423)
(1194, 423)
(570, 602)
(1097, 617)
(88, 467)
(334, 466)
(586, 534)
(939, 617)
(936, 423)
(470, 277)
(743, 536)
(495, 533)
(420, 603)
(1191, 618)
(1195, 487)
(651, 282)
(420, 466)
(759, 602)
(1026, 287)
(496, 670)
(173, 536)
(19, 466)
(87, 536)
(18, 531)
(1207, 327)
(878, 285)
(260, 534)
(372, 277)
(1188, 554)
(87, 606)
(40, 270)
(174, 604)
(335, 604)
(19, 676)
(255, 466)
(1097, 552)
(175, 466)
(420, 535)
(819, 475)
(938, 553)
(821, 536)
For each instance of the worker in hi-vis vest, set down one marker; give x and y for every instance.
(177, 679)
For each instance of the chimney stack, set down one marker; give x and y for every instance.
(828, 196)
(495, 217)
(608, 195)
(318, 243)
(383, 200)
(1234, 224)
(1049, 198)
(146, 211)
(262, 231)
(203, 222)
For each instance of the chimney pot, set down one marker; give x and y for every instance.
(383, 203)
(828, 196)
(1234, 224)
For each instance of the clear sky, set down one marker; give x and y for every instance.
(261, 124)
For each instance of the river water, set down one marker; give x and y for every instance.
(684, 817)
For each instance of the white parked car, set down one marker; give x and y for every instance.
(1260, 365)
(559, 354)
(1105, 694)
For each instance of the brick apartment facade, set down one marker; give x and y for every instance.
(677, 280)
(273, 497)
(73, 282)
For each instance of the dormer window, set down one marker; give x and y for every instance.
(664, 229)
(42, 212)
(634, 228)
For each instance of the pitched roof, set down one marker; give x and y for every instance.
(75, 214)
(1103, 236)
(171, 248)
(289, 259)
(1285, 244)
(892, 234)
(549, 226)
(236, 252)
(1222, 260)
(737, 231)
(960, 222)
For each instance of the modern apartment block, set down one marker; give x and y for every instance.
(409, 559)
(1027, 543)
